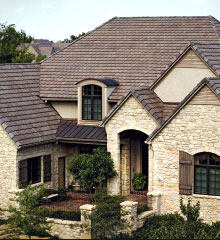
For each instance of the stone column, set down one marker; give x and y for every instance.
(154, 201)
(86, 211)
(129, 214)
(113, 146)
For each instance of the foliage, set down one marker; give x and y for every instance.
(92, 169)
(161, 227)
(143, 208)
(139, 181)
(106, 220)
(100, 196)
(22, 56)
(174, 226)
(65, 215)
(10, 39)
(26, 218)
(73, 38)
(190, 212)
(40, 57)
(3, 221)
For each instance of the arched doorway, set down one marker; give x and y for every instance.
(133, 158)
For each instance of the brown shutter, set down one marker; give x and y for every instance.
(23, 176)
(47, 168)
(185, 173)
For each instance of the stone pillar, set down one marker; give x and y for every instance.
(125, 166)
(129, 214)
(154, 201)
(86, 211)
(150, 167)
(113, 146)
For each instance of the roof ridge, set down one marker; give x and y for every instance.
(89, 32)
(166, 17)
(212, 19)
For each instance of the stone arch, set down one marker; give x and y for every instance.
(133, 158)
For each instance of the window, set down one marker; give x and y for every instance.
(207, 174)
(91, 102)
(30, 170)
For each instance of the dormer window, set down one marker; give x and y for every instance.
(92, 102)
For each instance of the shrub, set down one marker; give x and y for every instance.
(106, 220)
(26, 219)
(92, 169)
(65, 215)
(161, 227)
(139, 181)
(174, 226)
(142, 209)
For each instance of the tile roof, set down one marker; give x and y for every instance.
(69, 129)
(213, 83)
(26, 118)
(131, 50)
(147, 98)
(150, 101)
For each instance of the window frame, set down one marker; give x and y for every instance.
(93, 97)
(208, 167)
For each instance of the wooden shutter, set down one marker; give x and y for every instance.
(185, 173)
(47, 168)
(23, 175)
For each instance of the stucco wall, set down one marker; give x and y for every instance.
(195, 129)
(182, 78)
(66, 109)
(131, 115)
(8, 172)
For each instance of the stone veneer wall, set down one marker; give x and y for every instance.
(131, 115)
(195, 129)
(10, 156)
(8, 173)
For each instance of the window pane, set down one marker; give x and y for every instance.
(92, 103)
(200, 180)
(34, 170)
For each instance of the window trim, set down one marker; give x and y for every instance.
(92, 97)
(208, 167)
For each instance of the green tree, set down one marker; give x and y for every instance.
(22, 56)
(27, 218)
(40, 57)
(10, 39)
(73, 38)
(92, 169)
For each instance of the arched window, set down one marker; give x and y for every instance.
(207, 173)
(91, 102)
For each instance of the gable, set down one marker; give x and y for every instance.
(205, 96)
(182, 78)
(131, 115)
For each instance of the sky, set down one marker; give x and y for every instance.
(58, 19)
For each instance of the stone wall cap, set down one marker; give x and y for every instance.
(63, 222)
(128, 203)
(154, 194)
(88, 207)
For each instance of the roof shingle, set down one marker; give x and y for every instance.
(26, 118)
(131, 50)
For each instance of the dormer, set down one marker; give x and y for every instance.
(93, 96)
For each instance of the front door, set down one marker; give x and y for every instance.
(61, 172)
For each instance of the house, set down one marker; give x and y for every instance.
(43, 47)
(145, 87)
